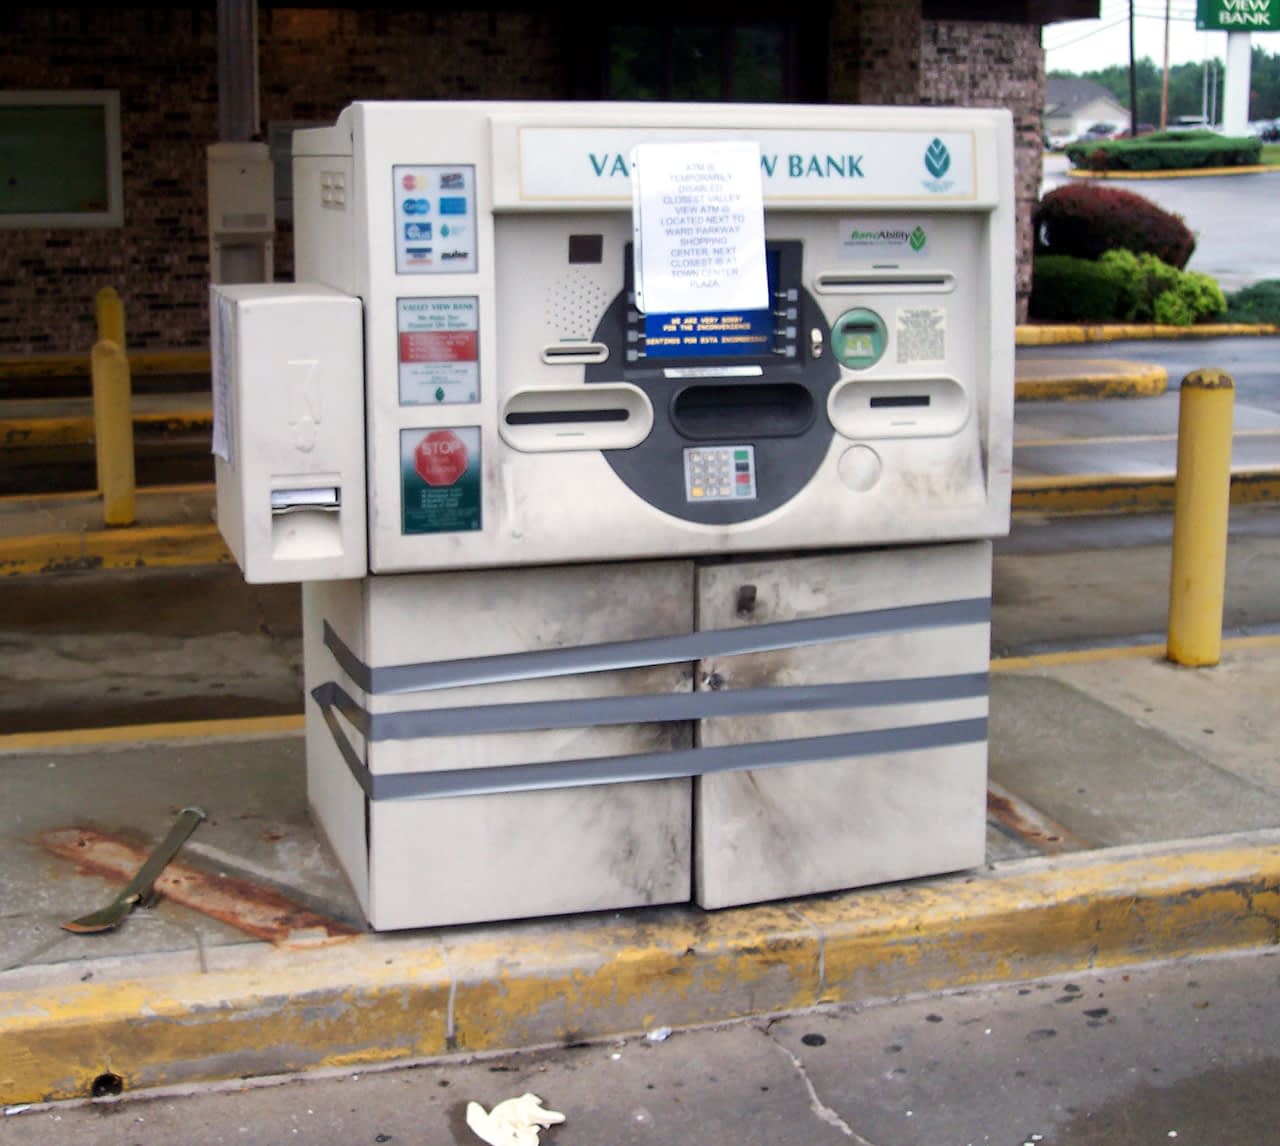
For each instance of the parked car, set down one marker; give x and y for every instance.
(1095, 132)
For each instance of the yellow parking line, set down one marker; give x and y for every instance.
(1120, 653)
(1129, 439)
(235, 728)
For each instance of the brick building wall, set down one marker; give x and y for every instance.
(875, 52)
(976, 64)
(312, 63)
(168, 106)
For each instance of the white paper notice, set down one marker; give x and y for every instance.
(222, 366)
(699, 227)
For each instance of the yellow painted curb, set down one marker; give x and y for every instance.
(260, 1010)
(231, 728)
(1108, 493)
(1180, 173)
(164, 545)
(77, 430)
(1150, 382)
(77, 365)
(1048, 334)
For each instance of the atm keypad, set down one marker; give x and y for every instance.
(719, 473)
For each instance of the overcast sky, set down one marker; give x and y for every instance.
(1089, 45)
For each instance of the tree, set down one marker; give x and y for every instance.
(1186, 87)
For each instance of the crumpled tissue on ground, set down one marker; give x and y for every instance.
(514, 1122)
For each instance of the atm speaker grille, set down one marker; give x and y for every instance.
(576, 303)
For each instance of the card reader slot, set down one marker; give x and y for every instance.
(728, 412)
(884, 282)
(885, 400)
(898, 408)
(574, 353)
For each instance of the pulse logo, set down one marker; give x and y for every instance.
(937, 161)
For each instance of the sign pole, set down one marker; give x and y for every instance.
(1235, 95)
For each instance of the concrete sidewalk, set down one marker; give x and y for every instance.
(1145, 842)
(1133, 814)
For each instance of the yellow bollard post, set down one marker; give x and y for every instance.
(114, 442)
(109, 312)
(1201, 504)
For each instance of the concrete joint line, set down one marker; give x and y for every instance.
(821, 1110)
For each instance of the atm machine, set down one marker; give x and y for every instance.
(608, 606)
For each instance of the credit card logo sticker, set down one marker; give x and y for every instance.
(417, 232)
(453, 205)
(417, 206)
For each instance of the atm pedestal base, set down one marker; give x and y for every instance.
(516, 743)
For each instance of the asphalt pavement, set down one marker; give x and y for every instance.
(1182, 1053)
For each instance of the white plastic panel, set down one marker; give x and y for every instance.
(537, 493)
(289, 431)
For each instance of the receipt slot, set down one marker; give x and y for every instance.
(611, 602)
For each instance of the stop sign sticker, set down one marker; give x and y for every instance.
(440, 458)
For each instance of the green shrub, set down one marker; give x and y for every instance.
(1167, 150)
(1085, 220)
(1121, 286)
(1144, 278)
(1255, 304)
(1067, 289)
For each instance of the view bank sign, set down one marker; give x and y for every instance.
(1238, 15)
(585, 164)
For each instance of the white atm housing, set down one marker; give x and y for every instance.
(605, 609)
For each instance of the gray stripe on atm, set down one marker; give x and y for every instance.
(613, 655)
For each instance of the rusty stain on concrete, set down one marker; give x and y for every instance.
(249, 907)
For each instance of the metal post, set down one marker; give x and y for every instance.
(110, 320)
(237, 69)
(1202, 501)
(113, 442)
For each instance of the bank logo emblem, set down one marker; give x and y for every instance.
(917, 239)
(937, 159)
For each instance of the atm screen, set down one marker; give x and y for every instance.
(715, 334)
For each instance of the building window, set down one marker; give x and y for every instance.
(746, 63)
(60, 159)
(741, 58)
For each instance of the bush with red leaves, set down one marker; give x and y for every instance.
(1084, 220)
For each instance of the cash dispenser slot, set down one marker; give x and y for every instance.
(607, 416)
(885, 282)
(711, 412)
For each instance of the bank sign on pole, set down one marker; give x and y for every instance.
(1238, 15)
